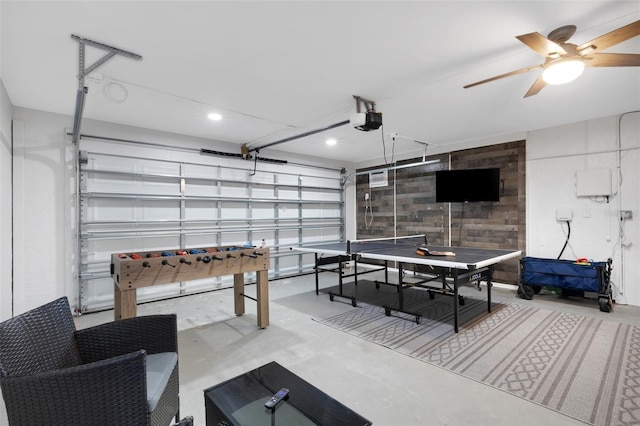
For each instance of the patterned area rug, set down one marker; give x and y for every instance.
(585, 368)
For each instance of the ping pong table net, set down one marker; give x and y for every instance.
(419, 242)
(377, 244)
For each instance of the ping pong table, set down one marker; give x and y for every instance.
(462, 266)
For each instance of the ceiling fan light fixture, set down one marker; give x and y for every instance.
(563, 71)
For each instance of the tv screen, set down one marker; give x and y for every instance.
(467, 185)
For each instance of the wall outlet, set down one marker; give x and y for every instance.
(564, 214)
(626, 214)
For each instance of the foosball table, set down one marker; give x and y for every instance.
(131, 271)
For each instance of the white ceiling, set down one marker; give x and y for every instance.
(279, 69)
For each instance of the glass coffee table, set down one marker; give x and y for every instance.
(241, 401)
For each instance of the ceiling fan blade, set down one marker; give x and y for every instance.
(612, 38)
(520, 71)
(541, 44)
(537, 86)
(613, 60)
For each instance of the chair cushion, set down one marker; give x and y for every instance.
(159, 369)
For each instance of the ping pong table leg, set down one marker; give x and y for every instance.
(386, 272)
(355, 274)
(400, 287)
(317, 272)
(340, 270)
(490, 274)
(455, 300)
(355, 280)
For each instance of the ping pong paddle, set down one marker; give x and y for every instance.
(423, 251)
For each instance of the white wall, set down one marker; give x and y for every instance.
(39, 208)
(5, 205)
(44, 202)
(554, 156)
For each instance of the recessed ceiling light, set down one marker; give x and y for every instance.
(214, 116)
(331, 142)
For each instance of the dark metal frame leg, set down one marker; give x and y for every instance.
(400, 288)
(317, 272)
(450, 288)
(455, 300)
(340, 270)
(400, 308)
(489, 285)
(341, 260)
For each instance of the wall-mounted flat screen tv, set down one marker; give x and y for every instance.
(454, 186)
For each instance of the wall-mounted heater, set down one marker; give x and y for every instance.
(378, 178)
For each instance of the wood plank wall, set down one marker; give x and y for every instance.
(482, 224)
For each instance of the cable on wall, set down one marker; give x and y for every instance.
(566, 241)
(621, 233)
(368, 208)
(384, 148)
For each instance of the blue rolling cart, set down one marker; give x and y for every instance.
(568, 275)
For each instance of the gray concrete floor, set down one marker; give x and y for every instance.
(384, 386)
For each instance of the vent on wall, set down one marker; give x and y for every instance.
(377, 179)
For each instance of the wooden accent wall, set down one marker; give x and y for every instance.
(407, 204)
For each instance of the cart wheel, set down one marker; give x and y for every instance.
(377, 286)
(537, 289)
(331, 297)
(417, 320)
(353, 303)
(387, 312)
(605, 304)
(461, 300)
(432, 295)
(525, 292)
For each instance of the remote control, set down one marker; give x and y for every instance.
(279, 396)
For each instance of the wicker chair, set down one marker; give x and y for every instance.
(120, 373)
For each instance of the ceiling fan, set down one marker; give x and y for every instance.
(560, 55)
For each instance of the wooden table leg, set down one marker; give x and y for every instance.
(238, 293)
(117, 305)
(125, 303)
(263, 298)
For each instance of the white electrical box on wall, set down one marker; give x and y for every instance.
(593, 182)
(564, 214)
(377, 179)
